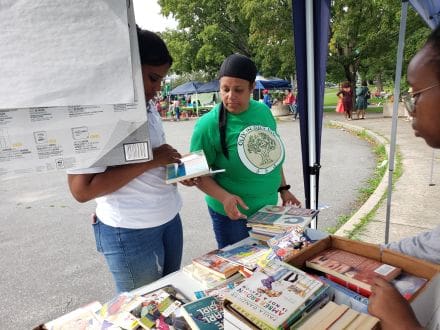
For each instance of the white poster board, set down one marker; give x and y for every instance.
(82, 134)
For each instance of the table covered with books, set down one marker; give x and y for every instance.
(300, 278)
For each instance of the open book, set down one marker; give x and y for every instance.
(191, 166)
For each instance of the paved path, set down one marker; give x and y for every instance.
(415, 194)
(48, 258)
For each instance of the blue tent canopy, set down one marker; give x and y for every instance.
(191, 87)
(271, 83)
(209, 87)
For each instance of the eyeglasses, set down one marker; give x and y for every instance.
(409, 100)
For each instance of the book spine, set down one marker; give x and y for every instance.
(364, 292)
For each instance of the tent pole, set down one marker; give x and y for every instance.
(431, 183)
(395, 113)
(311, 104)
(197, 104)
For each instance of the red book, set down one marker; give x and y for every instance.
(352, 268)
(352, 287)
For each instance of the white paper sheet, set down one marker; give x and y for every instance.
(60, 53)
(43, 139)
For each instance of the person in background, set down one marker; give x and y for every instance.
(423, 104)
(290, 100)
(137, 224)
(176, 105)
(362, 96)
(346, 96)
(267, 99)
(239, 135)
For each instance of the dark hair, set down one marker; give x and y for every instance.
(364, 83)
(434, 42)
(152, 49)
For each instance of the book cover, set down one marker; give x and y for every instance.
(408, 285)
(272, 295)
(343, 295)
(245, 255)
(161, 309)
(218, 292)
(211, 262)
(205, 313)
(283, 216)
(289, 243)
(207, 279)
(85, 317)
(351, 267)
(352, 287)
(123, 310)
(190, 166)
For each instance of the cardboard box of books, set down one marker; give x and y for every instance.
(427, 305)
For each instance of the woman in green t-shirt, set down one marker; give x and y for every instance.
(239, 135)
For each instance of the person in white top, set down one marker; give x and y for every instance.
(137, 224)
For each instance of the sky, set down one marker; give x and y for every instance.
(147, 13)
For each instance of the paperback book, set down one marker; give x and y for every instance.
(191, 166)
(408, 284)
(207, 279)
(212, 263)
(272, 296)
(85, 317)
(205, 313)
(288, 244)
(343, 295)
(283, 216)
(245, 255)
(353, 268)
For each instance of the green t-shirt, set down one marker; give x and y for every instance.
(256, 155)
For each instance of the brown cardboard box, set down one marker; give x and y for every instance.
(409, 264)
(425, 303)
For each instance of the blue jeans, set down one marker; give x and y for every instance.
(136, 257)
(227, 231)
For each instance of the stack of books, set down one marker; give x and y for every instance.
(273, 220)
(274, 297)
(335, 317)
(354, 271)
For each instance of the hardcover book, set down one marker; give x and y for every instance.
(245, 255)
(283, 216)
(272, 296)
(211, 262)
(351, 267)
(191, 166)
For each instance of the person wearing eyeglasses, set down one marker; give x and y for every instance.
(423, 104)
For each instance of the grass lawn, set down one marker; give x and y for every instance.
(330, 101)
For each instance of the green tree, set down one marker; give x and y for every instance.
(209, 30)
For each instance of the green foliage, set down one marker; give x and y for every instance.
(363, 38)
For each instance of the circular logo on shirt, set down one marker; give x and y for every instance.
(260, 149)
